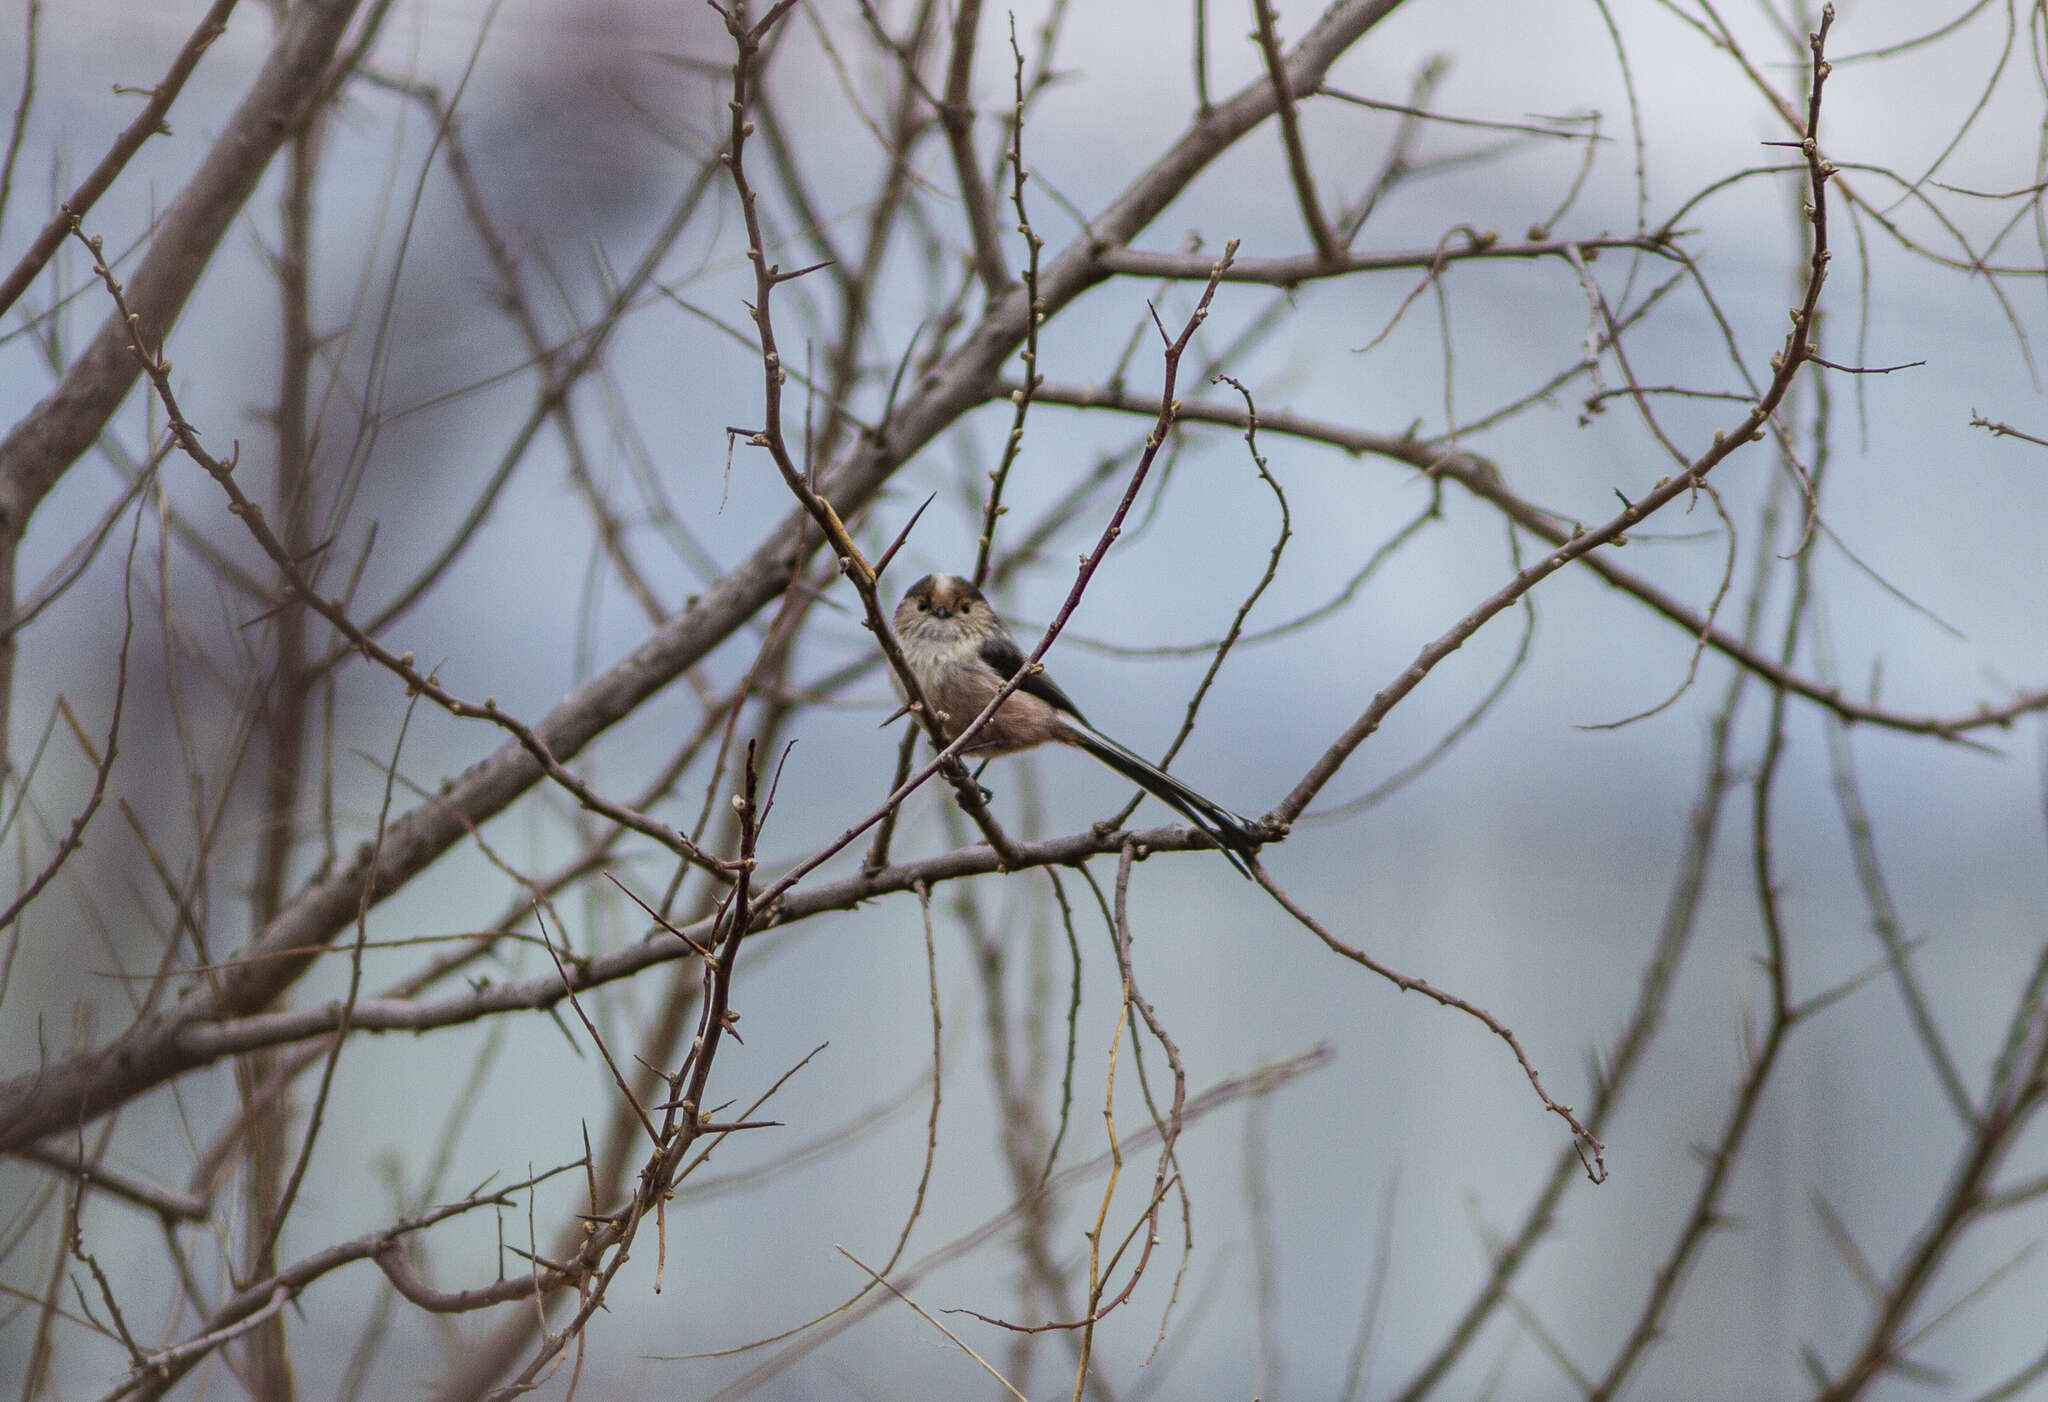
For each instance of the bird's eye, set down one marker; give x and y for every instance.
(924, 605)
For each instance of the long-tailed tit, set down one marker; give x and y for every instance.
(962, 654)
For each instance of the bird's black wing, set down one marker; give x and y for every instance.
(1002, 654)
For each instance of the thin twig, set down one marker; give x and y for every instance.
(1298, 171)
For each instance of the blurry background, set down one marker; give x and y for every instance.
(1342, 1218)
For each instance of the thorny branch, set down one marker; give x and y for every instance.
(892, 387)
(335, 610)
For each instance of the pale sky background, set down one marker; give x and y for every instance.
(1527, 872)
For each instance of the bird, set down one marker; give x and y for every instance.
(962, 654)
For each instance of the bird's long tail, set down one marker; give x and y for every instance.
(1231, 831)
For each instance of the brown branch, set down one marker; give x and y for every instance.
(41, 447)
(1706, 1215)
(103, 763)
(32, 49)
(558, 369)
(2018, 1091)
(1864, 369)
(390, 1258)
(165, 1202)
(38, 450)
(1260, 1081)
(956, 116)
(1298, 170)
(1583, 1138)
(992, 506)
(590, 344)
(1999, 430)
(1785, 365)
(662, 1043)
(202, 1042)
(1101, 1303)
(1233, 634)
(878, 1278)
(147, 123)
(1632, 1042)
(1309, 267)
(853, 562)
(258, 1300)
(86, 1084)
(335, 610)
(1480, 477)
(686, 1119)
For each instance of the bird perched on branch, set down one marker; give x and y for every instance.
(962, 655)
